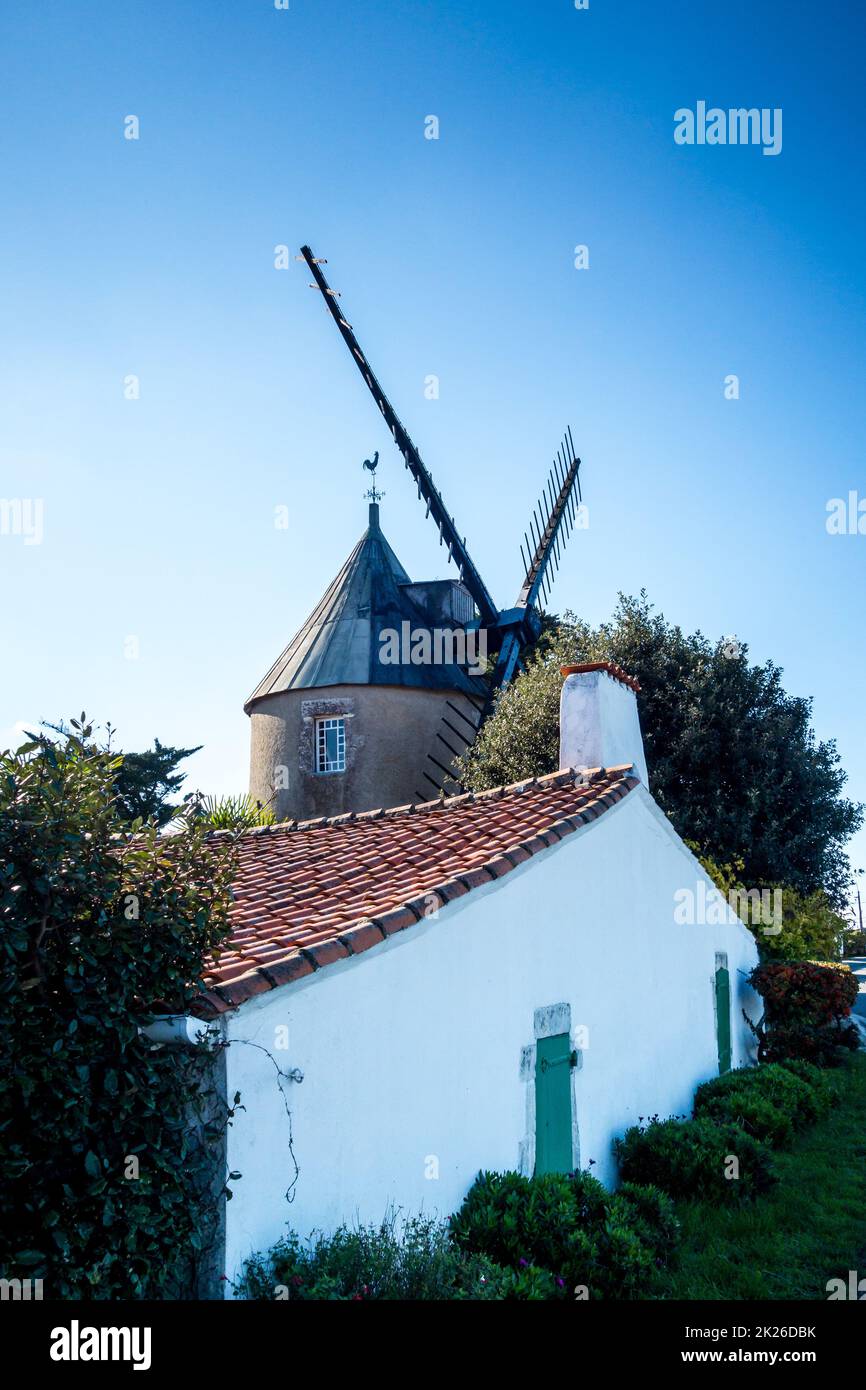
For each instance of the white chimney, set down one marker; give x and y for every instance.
(598, 719)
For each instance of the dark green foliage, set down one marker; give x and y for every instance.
(528, 1283)
(143, 782)
(732, 758)
(98, 923)
(770, 1102)
(416, 1260)
(826, 1094)
(569, 1225)
(226, 812)
(652, 1216)
(811, 929)
(811, 1227)
(514, 1238)
(825, 1045)
(688, 1158)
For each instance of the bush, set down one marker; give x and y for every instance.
(754, 1113)
(805, 991)
(823, 1047)
(824, 1093)
(805, 1005)
(769, 1102)
(652, 1216)
(527, 1284)
(413, 1260)
(570, 1226)
(514, 1238)
(99, 922)
(688, 1159)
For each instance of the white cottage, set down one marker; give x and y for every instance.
(495, 981)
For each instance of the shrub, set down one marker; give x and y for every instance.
(570, 1226)
(754, 1113)
(824, 1093)
(412, 1260)
(653, 1217)
(805, 991)
(99, 921)
(823, 1047)
(805, 1005)
(769, 1101)
(688, 1159)
(807, 1100)
(529, 1284)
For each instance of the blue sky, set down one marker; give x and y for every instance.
(260, 127)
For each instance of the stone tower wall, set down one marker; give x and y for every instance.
(389, 732)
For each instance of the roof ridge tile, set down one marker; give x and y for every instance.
(561, 777)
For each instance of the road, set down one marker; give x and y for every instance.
(858, 965)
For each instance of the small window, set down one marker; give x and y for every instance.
(330, 745)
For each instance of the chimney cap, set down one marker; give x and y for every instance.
(610, 667)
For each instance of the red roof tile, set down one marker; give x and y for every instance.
(312, 893)
(610, 667)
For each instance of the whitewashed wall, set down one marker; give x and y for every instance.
(412, 1052)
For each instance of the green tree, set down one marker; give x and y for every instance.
(811, 928)
(143, 782)
(106, 1138)
(732, 758)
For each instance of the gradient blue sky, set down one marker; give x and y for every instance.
(455, 256)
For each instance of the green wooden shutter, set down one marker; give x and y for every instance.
(553, 1062)
(723, 1018)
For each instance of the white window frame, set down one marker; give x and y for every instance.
(324, 765)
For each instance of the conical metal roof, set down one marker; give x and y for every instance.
(340, 642)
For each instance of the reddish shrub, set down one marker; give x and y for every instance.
(805, 991)
(805, 1003)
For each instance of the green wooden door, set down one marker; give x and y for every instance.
(723, 1018)
(553, 1062)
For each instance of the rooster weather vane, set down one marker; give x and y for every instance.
(511, 631)
(373, 492)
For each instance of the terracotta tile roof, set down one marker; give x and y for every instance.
(313, 892)
(610, 667)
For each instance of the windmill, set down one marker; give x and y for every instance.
(510, 630)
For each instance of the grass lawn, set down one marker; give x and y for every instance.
(810, 1228)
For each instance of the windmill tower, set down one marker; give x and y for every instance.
(348, 718)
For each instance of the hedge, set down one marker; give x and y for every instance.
(806, 1004)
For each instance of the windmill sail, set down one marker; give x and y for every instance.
(559, 516)
(448, 533)
(550, 526)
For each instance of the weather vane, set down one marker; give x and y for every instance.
(373, 492)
